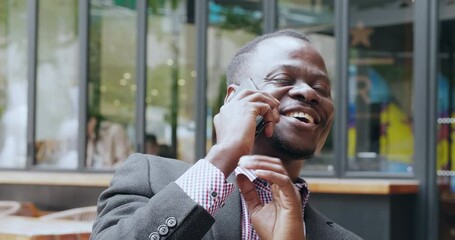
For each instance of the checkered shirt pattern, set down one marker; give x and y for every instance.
(207, 186)
(265, 194)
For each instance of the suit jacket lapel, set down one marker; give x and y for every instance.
(227, 219)
(318, 226)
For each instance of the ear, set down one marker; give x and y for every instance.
(230, 92)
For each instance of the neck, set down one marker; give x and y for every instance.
(292, 164)
(293, 168)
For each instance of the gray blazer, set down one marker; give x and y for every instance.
(143, 197)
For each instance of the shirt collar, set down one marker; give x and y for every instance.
(263, 185)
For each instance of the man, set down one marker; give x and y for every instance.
(157, 198)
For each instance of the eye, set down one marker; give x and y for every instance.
(281, 79)
(322, 89)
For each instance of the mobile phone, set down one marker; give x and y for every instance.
(249, 84)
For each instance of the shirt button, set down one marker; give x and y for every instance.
(163, 230)
(154, 236)
(214, 194)
(171, 222)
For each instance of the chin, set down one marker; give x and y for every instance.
(288, 150)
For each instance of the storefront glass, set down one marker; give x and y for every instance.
(171, 79)
(445, 163)
(111, 83)
(316, 20)
(380, 134)
(231, 25)
(57, 85)
(13, 83)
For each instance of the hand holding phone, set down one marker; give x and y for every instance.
(234, 130)
(249, 84)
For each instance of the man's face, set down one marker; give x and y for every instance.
(306, 109)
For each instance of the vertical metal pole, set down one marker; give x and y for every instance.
(270, 14)
(201, 85)
(341, 86)
(433, 210)
(84, 21)
(32, 14)
(141, 73)
(433, 216)
(425, 90)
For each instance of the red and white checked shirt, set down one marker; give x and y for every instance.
(207, 186)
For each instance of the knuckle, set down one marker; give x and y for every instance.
(288, 180)
(249, 91)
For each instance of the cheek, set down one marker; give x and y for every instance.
(328, 108)
(268, 87)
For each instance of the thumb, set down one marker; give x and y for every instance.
(249, 193)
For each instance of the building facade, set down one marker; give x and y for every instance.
(84, 83)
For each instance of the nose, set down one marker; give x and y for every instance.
(303, 92)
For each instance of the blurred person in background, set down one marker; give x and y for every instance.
(107, 143)
(157, 198)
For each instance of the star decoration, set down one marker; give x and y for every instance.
(361, 35)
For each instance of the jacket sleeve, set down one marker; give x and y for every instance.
(130, 209)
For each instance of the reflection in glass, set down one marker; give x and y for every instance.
(231, 25)
(111, 83)
(380, 136)
(171, 79)
(445, 161)
(57, 84)
(315, 20)
(13, 83)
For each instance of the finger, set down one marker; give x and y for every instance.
(262, 97)
(272, 117)
(276, 114)
(264, 110)
(263, 158)
(283, 181)
(268, 129)
(259, 162)
(249, 193)
(280, 92)
(255, 96)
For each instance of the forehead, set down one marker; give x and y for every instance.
(287, 50)
(282, 43)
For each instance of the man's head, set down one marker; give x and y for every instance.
(235, 69)
(286, 58)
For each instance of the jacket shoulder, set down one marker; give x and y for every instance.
(320, 227)
(160, 171)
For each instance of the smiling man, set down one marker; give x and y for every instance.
(247, 187)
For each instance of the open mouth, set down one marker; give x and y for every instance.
(301, 116)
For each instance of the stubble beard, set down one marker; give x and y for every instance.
(288, 150)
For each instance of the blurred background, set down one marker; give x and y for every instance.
(85, 83)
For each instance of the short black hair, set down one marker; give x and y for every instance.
(241, 57)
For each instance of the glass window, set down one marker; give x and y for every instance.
(13, 83)
(445, 161)
(57, 84)
(111, 83)
(171, 79)
(231, 25)
(315, 20)
(380, 136)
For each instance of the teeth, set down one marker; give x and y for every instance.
(300, 115)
